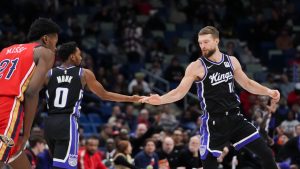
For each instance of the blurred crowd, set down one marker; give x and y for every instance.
(121, 38)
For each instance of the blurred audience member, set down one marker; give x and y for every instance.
(89, 157)
(122, 159)
(37, 146)
(190, 157)
(167, 158)
(147, 158)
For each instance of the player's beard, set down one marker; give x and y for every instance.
(209, 53)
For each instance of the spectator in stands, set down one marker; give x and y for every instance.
(109, 153)
(142, 133)
(231, 49)
(138, 85)
(174, 73)
(37, 146)
(289, 125)
(284, 41)
(260, 111)
(282, 111)
(294, 96)
(130, 117)
(167, 158)
(116, 112)
(143, 117)
(247, 56)
(176, 16)
(89, 157)
(147, 157)
(156, 70)
(132, 37)
(178, 140)
(292, 148)
(285, 86)
(106, 133)
(120, 85)
(101, 76)
(167, 119)
(190, 157)
(122, 158)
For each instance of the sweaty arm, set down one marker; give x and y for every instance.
(249, 84)
(99, 90)
(178, 93)
(45, 62)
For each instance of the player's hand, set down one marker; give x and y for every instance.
(272, 107)
(275, 95)
(153, 99)
(136, 98)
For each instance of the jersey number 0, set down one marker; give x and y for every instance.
(61, 95)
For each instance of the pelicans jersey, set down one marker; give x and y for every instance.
(16, 67)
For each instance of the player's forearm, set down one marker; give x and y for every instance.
(116, 97)
(172, 96)
(256, 88)
(30, 107)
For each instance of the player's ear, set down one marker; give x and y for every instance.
(72, 57)
(45, 39)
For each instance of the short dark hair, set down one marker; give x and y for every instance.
(33, 140)
(209, 30)
(92, 137)
(41, 27)
(149, 140)
(66, 49)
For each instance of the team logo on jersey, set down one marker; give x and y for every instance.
(226, 64)
(218, 78)
(7, 140)
(202, 150)
(72, 160)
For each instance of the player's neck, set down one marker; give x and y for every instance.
(67, 64)
(216, 57)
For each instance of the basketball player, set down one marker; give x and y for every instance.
(22, 70)
(65, 86)
(214, 74)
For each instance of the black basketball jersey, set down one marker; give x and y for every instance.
(64, 90)
(216, 89)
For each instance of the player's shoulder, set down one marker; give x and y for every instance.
(232, 58)
(196, 65)
(87, 73)
(42, 49)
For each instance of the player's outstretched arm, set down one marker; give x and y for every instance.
(249, 84)
(99, 90)
(177, 93)
(45, 62)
